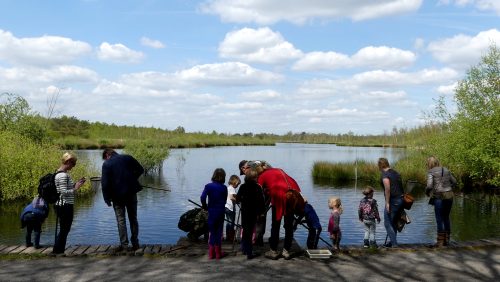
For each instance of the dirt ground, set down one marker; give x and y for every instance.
(463, 264)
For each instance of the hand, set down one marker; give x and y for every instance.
(79, 183)
(388, 207)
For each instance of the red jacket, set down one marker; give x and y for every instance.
(276, 183)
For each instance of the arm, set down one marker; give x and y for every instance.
(430, 184)
(375, 210)
(106, 184)
(360, 213)
(64, 184)
(387, 192)
(203, 199)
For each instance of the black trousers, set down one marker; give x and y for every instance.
(275, 231)
(65, 217)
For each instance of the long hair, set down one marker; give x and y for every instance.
(294, 202)
(432, 162)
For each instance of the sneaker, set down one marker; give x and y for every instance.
(272, 254)
(366, 244)
(286, 255)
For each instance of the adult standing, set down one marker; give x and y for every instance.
(216, 192)
(120, 185)
(64, 206)
(439, 187)
(276, 184)
(393, 191)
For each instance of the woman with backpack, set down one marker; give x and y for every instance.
(64, 206)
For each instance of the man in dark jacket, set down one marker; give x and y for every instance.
(120, 185)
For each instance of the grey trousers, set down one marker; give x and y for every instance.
(370, 227)
(130, 206)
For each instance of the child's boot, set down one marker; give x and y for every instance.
(211, 251)
(373, 244)
(218, 252)
(447, 238)
(366, 243)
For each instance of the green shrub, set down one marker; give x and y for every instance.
(149, 154)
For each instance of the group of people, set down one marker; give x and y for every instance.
(119, 181)
(267, 188)
(264, 188)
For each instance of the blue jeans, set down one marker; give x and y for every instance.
(395, 205)
(442, 209)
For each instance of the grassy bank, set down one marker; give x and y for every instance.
(411, 168)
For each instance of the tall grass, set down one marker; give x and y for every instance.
(411, 168)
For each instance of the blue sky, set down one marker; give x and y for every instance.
(231, 66)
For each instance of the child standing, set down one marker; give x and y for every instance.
(252, 207)
(32, 217)
(216, 192)
(234, 182)
(334, 223)
(368, 213)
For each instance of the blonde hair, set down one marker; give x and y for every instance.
(335, 202)
(234, 180)
(432, 162)
(68, 156)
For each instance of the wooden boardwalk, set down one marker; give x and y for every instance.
(184, 247)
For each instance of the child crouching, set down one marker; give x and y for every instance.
(32, 217)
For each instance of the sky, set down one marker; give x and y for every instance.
(238, 66)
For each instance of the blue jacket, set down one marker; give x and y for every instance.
(37, 210)
(311, 217)
(119, 179)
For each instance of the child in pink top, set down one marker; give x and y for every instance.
(334, 223)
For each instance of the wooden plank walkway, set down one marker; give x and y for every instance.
(184, 247)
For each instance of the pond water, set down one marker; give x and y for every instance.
(186, 171)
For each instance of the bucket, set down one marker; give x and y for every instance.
(95, 183)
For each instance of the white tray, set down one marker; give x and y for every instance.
(319, 254)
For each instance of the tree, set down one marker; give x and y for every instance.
(471, 141)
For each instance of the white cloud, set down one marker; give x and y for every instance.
(156, 44)
(262, 95)
(447, 90)
(367, 57)
(482, 5)
(400, 79)
(118, 53)
(40, 51)
(240, 106)
(229, 74)
(463, 50)
(34, 76)
(301, 11)
(258, 45)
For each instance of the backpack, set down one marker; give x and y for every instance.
(195, 222)
(366, 208)
(47, 188)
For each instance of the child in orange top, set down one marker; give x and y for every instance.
(334, 223)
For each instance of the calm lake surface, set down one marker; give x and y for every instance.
(186, 171)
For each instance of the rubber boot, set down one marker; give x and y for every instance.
(366, 243)
(373, 244)
(441, 237)
(218, 252)
(28, 240)
(211, 252)
(447, 239)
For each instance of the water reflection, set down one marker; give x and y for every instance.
(186, 171)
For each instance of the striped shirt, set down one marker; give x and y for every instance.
(65, 187)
